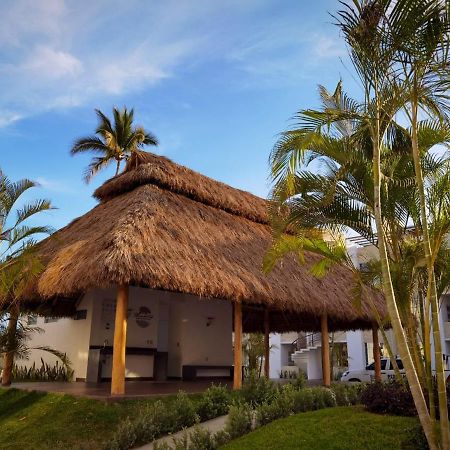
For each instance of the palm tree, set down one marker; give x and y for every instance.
(336, 140)
(112, 142)
(425, 65)
(19, 264)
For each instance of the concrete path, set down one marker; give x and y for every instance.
(212, 425)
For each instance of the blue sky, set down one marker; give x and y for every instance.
(214, 80)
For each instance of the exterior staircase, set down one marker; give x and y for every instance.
(305, 343)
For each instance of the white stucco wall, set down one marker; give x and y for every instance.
(314, 364)
(171, 322)
(65, 335)
(275, 355)
(356, 350)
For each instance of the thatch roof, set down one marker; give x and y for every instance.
(164, 226)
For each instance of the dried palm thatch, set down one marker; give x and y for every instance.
(163, 226)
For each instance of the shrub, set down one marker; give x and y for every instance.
(239, 421)
(46, 372)
(221, 438)
(341, 394)
(154, 421)
(214, 402)
(124, 437)
(347, 394)
(201, 439)
(258, 390)
(323, 398)
(300, 381)
(389, 397)
(183, 412)
(303, 400)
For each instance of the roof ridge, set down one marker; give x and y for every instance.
(147, 168)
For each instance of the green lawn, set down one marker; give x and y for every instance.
(36, 420)
(342, 428)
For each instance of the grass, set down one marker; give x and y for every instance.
(341, 428)
(38, 420)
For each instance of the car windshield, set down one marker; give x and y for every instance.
(372, 366)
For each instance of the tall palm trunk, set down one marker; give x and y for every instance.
(431, 288)
(425, 318)
(411, 374)
(9, 354)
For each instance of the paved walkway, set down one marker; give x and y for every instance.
(212, 425)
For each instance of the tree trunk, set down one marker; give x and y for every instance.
(376, 352)
(120, 342)
(431, 289)
(237, 380)
(9, 355)
(411, 374)
(326, 371)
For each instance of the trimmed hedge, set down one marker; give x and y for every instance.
(260, 401)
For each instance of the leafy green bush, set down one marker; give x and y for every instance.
(154, 421)
(304, 400)
(258, 390)
(124, 437)
(323, 398)
(183, 412)
(239, 421)
(299, 382)
(389, 397)
(214, 402)
(198, 439)
(347, 394)
(202, 439)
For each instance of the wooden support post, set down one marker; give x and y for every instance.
(326, 374)
(266, 344)
(376, 352)
(120, 342)
(237, 381)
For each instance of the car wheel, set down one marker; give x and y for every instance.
(354, 380)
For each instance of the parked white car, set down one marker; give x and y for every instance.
(368, 375)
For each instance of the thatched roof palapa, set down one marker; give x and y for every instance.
(163, 226)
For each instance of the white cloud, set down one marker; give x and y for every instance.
(54, 186)
(7, 118)
(50, 64)
(325, 47)
(284, 52)
(58, 54)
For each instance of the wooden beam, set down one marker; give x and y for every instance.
(266, 344)
(326, 373)
(376, 352)
(237, 381)
(120, 342)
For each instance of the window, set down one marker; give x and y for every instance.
(50, 319)
(32, 320)
(80, 314)
(372, 366)
(399, 364)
